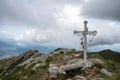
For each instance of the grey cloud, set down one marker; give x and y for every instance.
(32, 13)
(24, 13)
(107, 35)
(36, 13)
(102, 9)
(69, 1)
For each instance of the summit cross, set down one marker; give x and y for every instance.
(84, 34)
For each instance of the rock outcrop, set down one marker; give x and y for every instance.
(72, 64)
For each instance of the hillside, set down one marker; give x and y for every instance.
(62, 64)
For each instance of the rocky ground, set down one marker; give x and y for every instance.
(61, 64)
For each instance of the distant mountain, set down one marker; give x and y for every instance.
(7, 50)
(3, 44)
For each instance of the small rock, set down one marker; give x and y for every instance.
(19, 72)
(36, 66)
(97, 79)
(56, 52)
(69, 79)
(42, 64)
(25, 77)
(77, 55)
(105, 72)
(78, 77)
(100, 79)
(65, 57)
(96, 61)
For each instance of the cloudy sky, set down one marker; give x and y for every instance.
(52, 22)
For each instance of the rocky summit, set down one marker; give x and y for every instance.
(61, 64)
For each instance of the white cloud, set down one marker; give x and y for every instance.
(3, 32)
(70, 14)
(21, 44)
(112, 24)
(19, 37)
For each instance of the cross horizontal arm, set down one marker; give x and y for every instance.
(88, 32)
(76, 32)
(92, 33)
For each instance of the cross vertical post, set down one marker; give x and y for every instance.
(84, 34)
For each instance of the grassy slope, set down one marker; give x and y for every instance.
(110, 58)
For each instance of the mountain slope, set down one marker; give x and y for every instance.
(33, 65)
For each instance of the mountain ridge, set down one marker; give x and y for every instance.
(34, 65)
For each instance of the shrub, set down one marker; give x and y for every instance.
(98, 65)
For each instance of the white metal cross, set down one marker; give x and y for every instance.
(85, 33)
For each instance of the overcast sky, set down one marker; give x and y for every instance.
(52, 22)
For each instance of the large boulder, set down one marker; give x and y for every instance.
(72, 64)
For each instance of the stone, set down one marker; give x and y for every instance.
(56, 52)
(34, 59)
(53, 70)
(96, 61)
(36, 66)
(105, 72)
(19, 72)
(78, 77)
(73, 61)
(72, 64)
(65, 57)
(89, 64)
(100, 79)
(76, 55)
(97, 79)
(25, 77)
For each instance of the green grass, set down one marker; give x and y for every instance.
(14, 74)
(110, 59)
